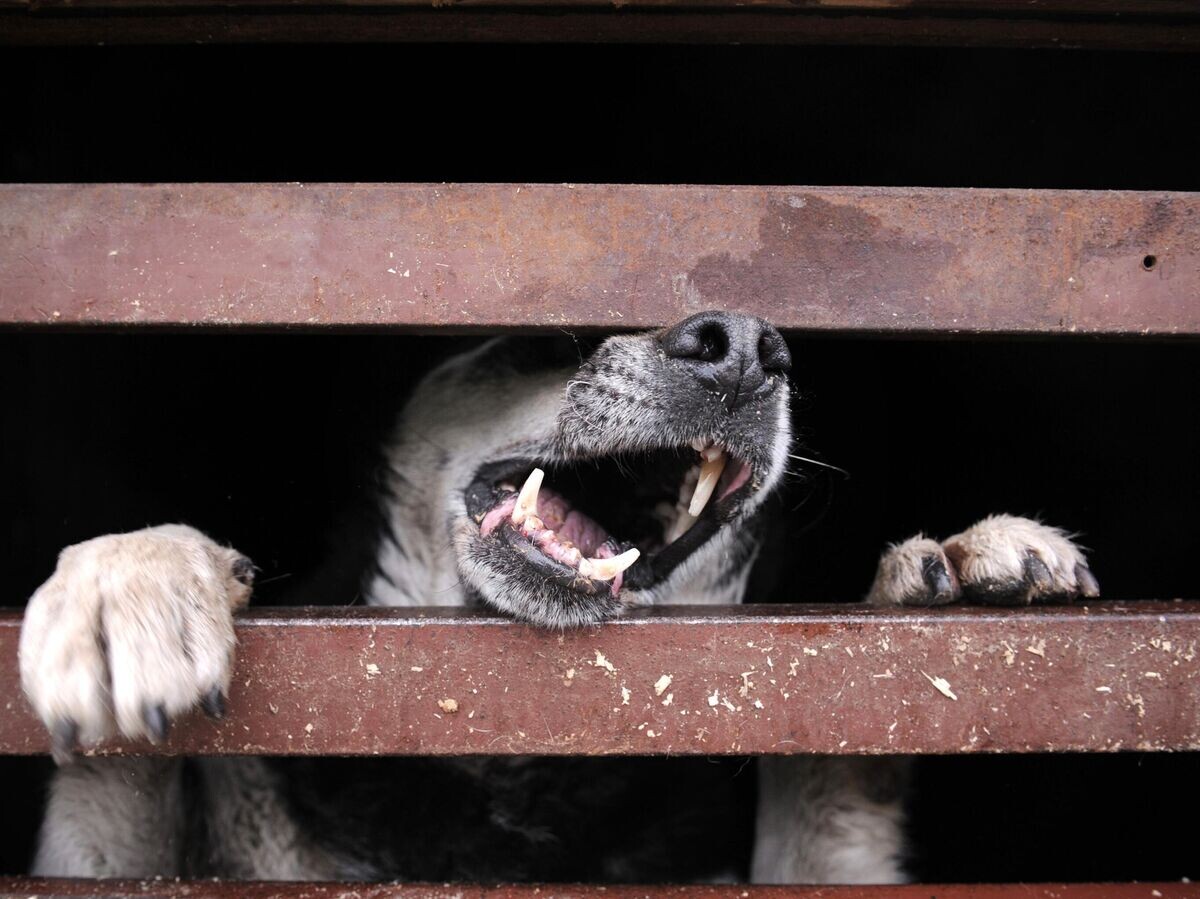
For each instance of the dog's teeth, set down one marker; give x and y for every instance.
(607, 569)
(710, 473)
(712, 453)
(526, 504)
(683, 523)
(699, 444)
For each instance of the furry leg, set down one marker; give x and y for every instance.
(829, 820)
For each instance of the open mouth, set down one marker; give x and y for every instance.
(603, 523)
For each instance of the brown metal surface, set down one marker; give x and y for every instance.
(1045, 9)
(765, 679)
(157, 889)
(1095, 24)
(519, 256)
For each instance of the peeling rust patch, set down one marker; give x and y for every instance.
(821, 261)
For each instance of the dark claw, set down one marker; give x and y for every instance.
(213, 703)
(1037, 574)
(1086, 581)
(63, 738)
(243, 571)
(155, 717)
(942, 586)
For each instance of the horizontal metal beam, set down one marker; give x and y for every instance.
(1044, 9)
(1168, 25)
(745, 680)
(203, 889)
(473, 257)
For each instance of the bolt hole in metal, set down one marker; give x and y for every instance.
(1149, 262)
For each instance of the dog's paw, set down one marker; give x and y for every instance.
(1007, 560)
(130, 631)
(1002, 560)
(914, 573)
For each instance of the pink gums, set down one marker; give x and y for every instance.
(733, 478)
(501, 513)
(565, 535)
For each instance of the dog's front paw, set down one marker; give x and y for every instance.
(130, 631)
(1008, 560)
(914, 573)
(1002, 560)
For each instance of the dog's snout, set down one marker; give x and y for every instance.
(726, 351)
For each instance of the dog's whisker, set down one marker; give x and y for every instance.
(818, 462)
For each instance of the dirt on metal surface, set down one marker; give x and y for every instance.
(764, 679)
(474, 257)
(157, 889)
(1148, 25)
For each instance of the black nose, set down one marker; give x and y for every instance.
(729, 352)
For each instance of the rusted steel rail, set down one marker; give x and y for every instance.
(1158, 25)
(765, 679)
(1044, 9)
(474, 257)
(157, 889)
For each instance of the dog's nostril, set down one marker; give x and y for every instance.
(714, 343)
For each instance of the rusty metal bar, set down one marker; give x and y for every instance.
(760, 679)
(1047, 9)
(159, 889)
(1132, 25)
(473, 257)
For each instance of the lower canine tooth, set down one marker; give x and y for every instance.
(526, 504)
(710, 473)
(607, 569)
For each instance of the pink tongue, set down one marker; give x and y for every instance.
(583, 532)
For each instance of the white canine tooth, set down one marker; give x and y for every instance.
(526, 504)
(712, 453)
(710, 473)
(699, 444)
(607, 569)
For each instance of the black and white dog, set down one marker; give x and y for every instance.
(561, 494)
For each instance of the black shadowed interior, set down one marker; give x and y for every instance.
(267, 441)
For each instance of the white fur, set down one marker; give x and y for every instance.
(113, 818)
(819, 820)
(992, 552)
(149, 611)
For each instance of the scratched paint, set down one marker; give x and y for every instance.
(758, 679)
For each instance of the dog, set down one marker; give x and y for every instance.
(558, 489)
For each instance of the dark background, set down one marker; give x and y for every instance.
(736, 115)
(266, 440)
